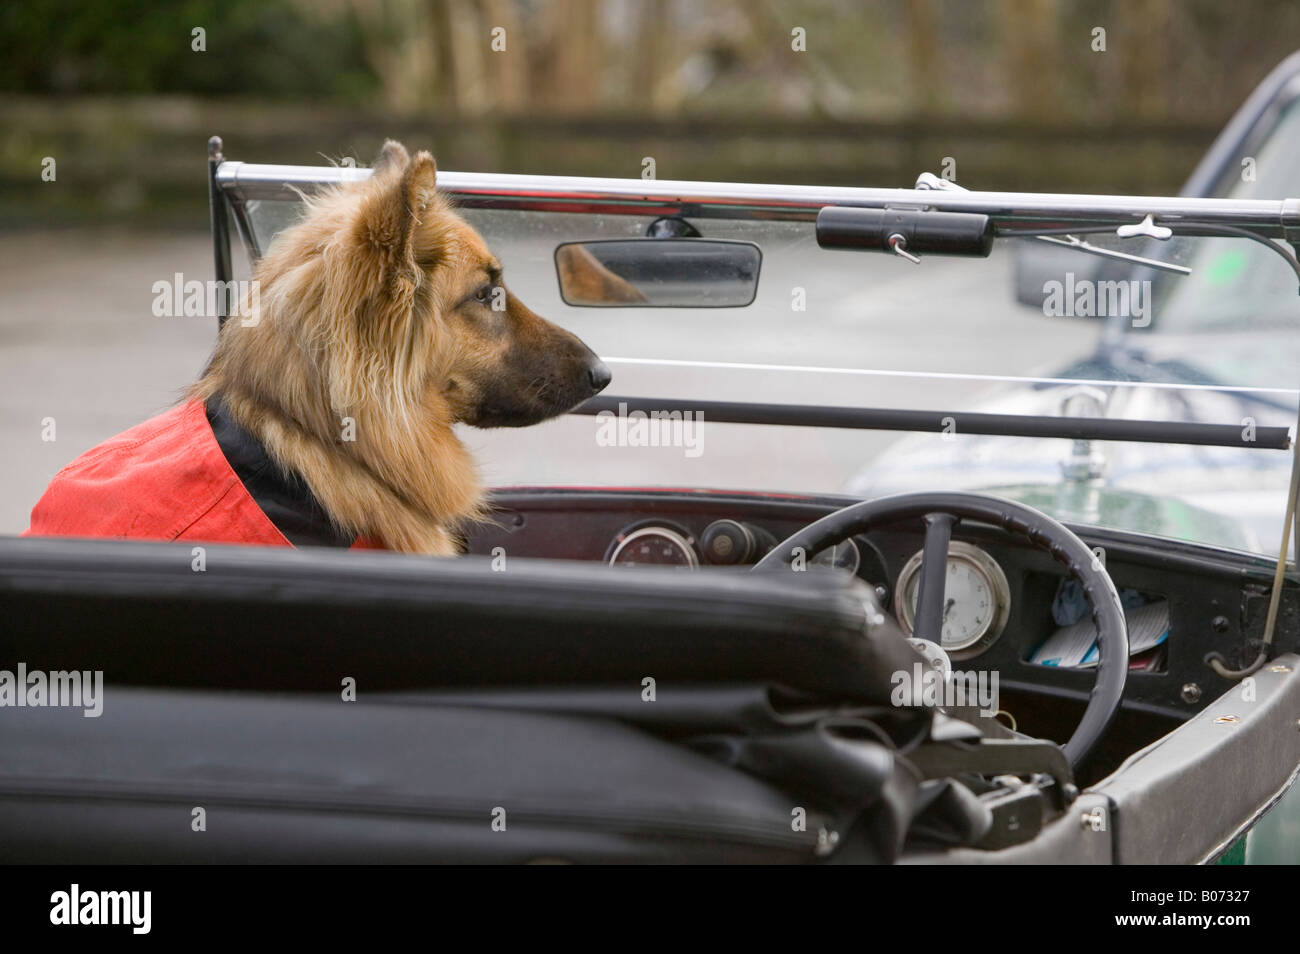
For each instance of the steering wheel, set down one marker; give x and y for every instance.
(940, 512)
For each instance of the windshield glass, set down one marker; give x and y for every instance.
(865, 329)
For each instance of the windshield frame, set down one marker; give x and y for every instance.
(1011, 213)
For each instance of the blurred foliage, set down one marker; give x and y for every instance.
(886, 59)
(265, 48)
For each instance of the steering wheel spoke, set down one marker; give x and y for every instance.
(930, 608)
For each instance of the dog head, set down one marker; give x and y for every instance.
(413, 310)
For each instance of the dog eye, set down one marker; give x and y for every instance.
(483, 294)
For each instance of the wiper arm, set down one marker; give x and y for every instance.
(927, 181)
(1073, 241)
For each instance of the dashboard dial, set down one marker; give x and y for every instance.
(977, 599)
(653, 546)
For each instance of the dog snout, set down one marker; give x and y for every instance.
(598, 375)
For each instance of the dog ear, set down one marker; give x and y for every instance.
(389, 219)
(420, 183)
(391, 158)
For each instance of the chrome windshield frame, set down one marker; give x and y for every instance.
(1010, 212)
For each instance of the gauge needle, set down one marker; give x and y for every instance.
(947, 606)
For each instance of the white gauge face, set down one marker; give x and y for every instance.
(967, 603)
(976, 598)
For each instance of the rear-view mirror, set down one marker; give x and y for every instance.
(658, 273)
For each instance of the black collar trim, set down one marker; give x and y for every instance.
(285, 498)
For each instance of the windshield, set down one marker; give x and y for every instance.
(864, 329)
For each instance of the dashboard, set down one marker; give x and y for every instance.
(1004, 598)
(978, 596)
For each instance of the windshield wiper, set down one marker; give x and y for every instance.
(1147, 228)
(1073, 241)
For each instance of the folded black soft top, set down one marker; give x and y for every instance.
(241, 777)
(281, 619)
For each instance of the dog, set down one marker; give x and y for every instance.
(327, 416)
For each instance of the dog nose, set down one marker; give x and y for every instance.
(598, 376)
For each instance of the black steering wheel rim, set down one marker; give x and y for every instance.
(1032, 525)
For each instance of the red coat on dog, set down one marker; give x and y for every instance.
(170, 478)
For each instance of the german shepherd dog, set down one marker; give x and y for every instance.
(382, 322)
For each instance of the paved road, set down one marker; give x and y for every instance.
(79, 344)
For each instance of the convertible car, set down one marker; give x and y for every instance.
(628, 664)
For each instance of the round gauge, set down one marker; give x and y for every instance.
(977, 599)
(843, 556)
(653, 546)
